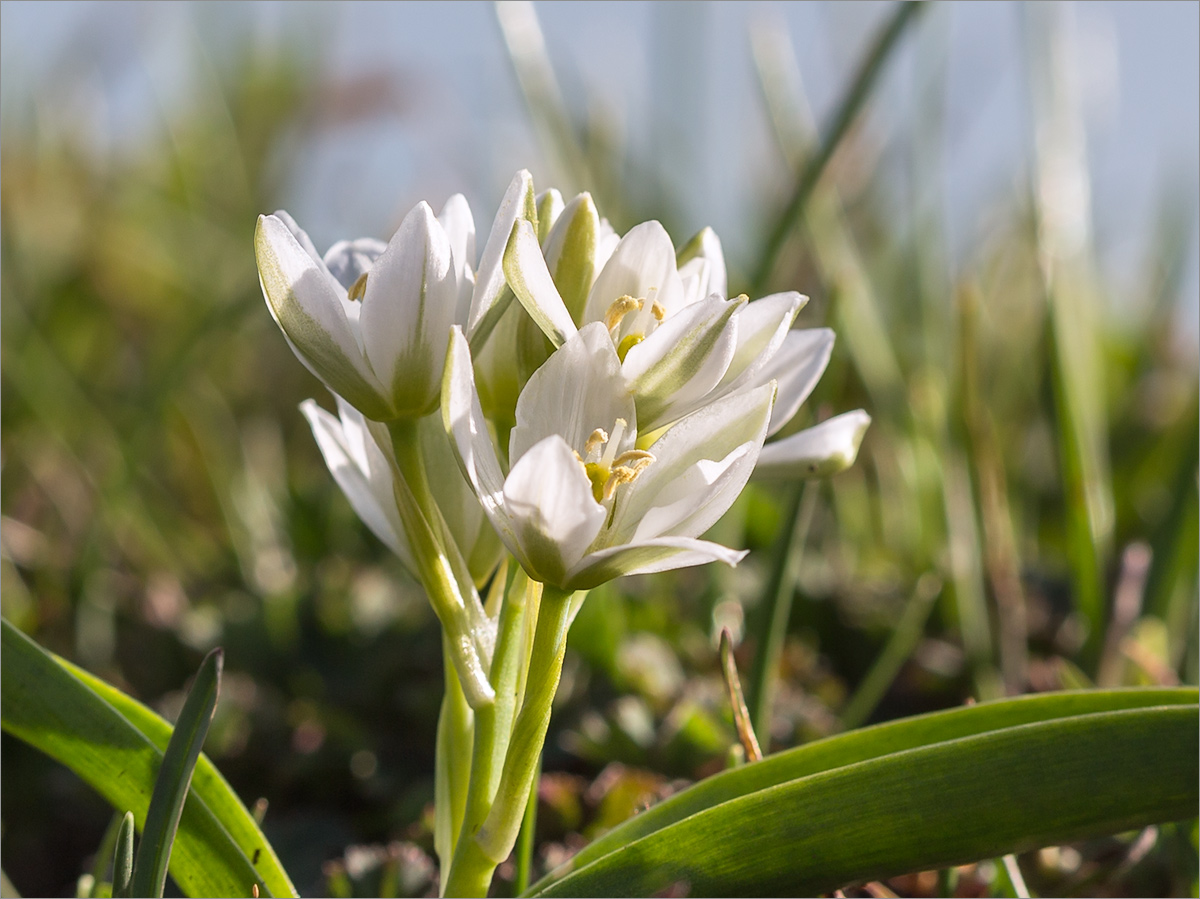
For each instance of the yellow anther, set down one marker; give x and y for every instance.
(359, 288)
(634, 459)
(620, 308)
(598, 439)
(658, 310)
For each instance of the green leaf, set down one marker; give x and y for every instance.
(122, 872)
(116, 745)
(921, 793)
(175, 777)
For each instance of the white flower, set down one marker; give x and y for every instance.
(358, 454)
(370, 321)
(580, 503)
(681, 344)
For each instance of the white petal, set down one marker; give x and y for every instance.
(675, 368)
(299, 233)
(518, 202)
(570, 251)
(549, 208)
(456, 499)
(549, 501)
(463, 419)
(407, 312)
(702, 263)
(371, 499)
(307, 303)
(762, 329)
(713, 434)
(796, 368)
(819, 452)
(648, 557)
(525, 269)
(577, 390)
(347, 260)
(694, 502)
(642, 264)
(459, 225)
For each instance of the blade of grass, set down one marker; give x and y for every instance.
(737, 702)
(856, 95)
(775, 607)
(104, 854)
(175, 778)
(899, 647)
(535, 74)
(853, 820)
(115, 744)
(122, 872)
(1062, 204)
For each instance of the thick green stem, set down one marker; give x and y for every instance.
(494, 723)
(443, 573)
(476, 859)
(452, 766)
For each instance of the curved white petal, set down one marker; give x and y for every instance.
(459, 225)
(527, 274)
(717, 483)
(716, 433)
(549, 208)
(642, 265)
(407, 312)
(549, 501)
(463, 420)
(307, 303)
(762, 329)
(299, 233)
(648, 557)
(818, 452)
(796, 368)
(701, 264)
(678, 365)
(570, 251)
(518, 203)
(577, 390)
(368, 488)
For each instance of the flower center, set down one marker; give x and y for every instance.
(605, 468)
(636, 317)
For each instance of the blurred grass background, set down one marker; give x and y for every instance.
(1023, 515)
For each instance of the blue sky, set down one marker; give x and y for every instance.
(676, 81)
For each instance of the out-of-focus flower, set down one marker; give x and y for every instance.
(359, 456)
(580, 503)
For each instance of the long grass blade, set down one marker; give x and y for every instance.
(848, 109)
(122, 872)
(175, 777)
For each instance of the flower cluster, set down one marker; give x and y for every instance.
(584, 403)
(374, 322)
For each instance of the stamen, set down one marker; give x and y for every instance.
(620, 308)
(635, 459)
(658, 310)
(598, 439)
(359, 288)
